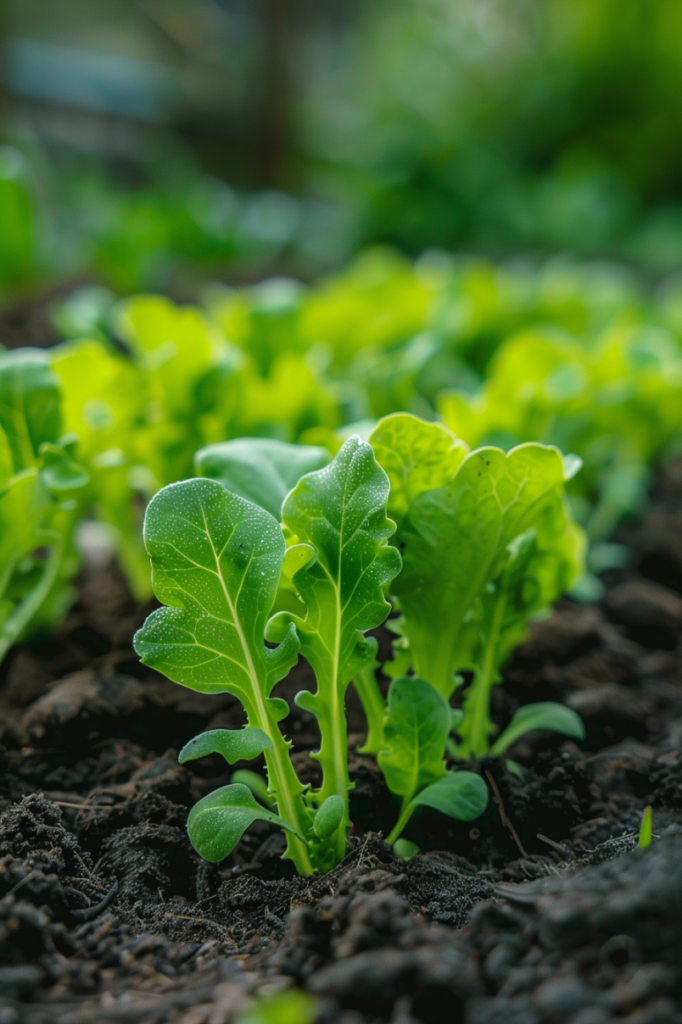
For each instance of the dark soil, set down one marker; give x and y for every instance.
(542, 911)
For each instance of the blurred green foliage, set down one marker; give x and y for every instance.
(579, 355)
(175, 229)
(543, 123)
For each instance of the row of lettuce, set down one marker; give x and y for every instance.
(574, 355)
(467, 546)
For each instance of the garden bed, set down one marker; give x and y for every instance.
(540, 911)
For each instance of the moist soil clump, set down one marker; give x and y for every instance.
(541, 911)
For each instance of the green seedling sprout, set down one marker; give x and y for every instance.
(646, 830)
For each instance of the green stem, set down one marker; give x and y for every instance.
(286, 787)
(476, 726)
(28, 608)
(374, 706)
(406, 812)
(333, 759)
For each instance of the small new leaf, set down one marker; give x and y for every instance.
(460, 795)
(233, 744)
(217, 823)
(416, 729)
(328, 817)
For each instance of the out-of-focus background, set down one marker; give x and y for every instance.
(157, 144)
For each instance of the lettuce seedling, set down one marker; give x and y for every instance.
(339, 564)
(40, 482)
(487, 542)
(416, 729)
(216, 563)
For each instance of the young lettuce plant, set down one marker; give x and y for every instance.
(216, 562)
(487, 542)
(339, 564)
(40, 482)
(416, 728)
(217, 559)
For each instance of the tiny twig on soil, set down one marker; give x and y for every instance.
(555, 846)
(503, 814)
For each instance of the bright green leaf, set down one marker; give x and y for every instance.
(460, 795)
(454, 540)
(339, 514)
(646, 830)
(416, 456)
(217, 823)
(416, 729)
(329, 817)
(29, 404)
(232, 744)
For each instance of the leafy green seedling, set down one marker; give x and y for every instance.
(337, 517)
(487, 542)
(646, 830)
(417, 726)
(216, 562)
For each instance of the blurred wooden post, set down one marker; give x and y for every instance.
(277, 92)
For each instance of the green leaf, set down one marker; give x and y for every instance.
(416, 729)
(29, 404)
(543, 715)
(260, 469)
(454, 540)
(216, 562)
(217, 823)
(60, 471)
(329, 817)
(416, 456)
(460, 795)
(232, 744)
(339, 515)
